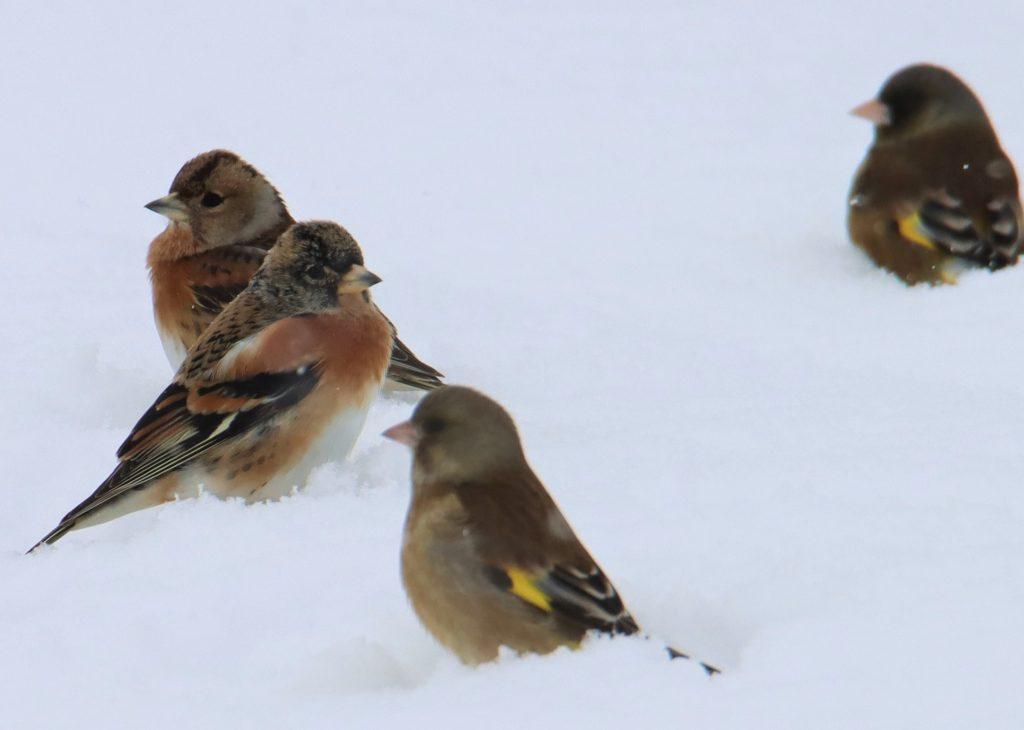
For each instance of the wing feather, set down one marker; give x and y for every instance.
(580, 596)
(989, 237)
(184, 423)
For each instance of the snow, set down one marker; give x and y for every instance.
(627, 225)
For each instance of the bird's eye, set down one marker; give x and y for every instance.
(211, 200)
(432, 425)
(314, 271)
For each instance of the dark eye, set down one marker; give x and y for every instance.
(432, 425)
(211, 200)
(314, 271)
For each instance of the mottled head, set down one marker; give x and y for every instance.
(313, 267)
(921, 98)
(225, 201)
(457, 433)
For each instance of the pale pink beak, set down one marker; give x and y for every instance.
(874, 111)
(404, 433)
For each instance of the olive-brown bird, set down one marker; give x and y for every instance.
(282, 378)
(223, 216)
(936, 193)
(488, 560)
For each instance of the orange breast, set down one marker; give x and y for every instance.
(177, 268)
(173, 304)
(353, 348)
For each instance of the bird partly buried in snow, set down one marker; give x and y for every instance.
(936, 193)
(488, 560)
(223, 216)
(282, 376)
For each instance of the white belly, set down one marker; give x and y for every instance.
(174, 348)
(334, 443)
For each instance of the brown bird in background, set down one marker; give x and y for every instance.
(488, 560)
(286, 371)
(936, 193)
(223, 216)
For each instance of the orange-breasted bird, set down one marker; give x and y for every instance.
(223, 216)
(284, 374)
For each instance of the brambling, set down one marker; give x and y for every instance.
(223, 216)
(936, 193)
(488, 560)
(285, 372)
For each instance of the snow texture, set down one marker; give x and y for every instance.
(624, 223)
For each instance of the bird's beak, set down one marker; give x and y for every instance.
(405, 432)
(874, 111)
(357, 279)
(171, 206)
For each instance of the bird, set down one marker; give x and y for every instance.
(935, 194)
(223, 216)
(284, 373)
(487, 559)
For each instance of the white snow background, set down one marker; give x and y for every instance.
(626, 223)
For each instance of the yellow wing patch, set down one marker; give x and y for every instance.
(524, 587)
(910, 229)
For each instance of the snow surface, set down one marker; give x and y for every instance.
(627, 225)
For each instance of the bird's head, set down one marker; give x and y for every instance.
(315, 267)
(223, 200)
(918, 99)
(458, 434)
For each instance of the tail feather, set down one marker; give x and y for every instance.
(55, 534)
(408, 370)
(676, 654)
